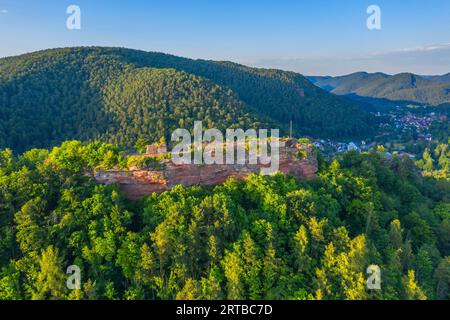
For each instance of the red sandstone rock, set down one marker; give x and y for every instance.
(136, 183)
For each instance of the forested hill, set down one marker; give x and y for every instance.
(433, 90)
(120, 95)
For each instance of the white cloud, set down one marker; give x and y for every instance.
(3, 11)
(440, 46)
(426, 48)
(430, 59)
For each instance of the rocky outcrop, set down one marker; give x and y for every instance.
(136, 183)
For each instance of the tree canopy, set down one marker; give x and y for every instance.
(266, 237)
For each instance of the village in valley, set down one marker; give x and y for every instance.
(404, 132)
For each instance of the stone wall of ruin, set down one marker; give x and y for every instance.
(136, 182)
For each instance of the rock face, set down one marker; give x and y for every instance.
(136, 182)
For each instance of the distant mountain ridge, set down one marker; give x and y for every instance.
(120, 95)
(431, 90)
(444, 78)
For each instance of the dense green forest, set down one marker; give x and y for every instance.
(263, 238)
(121, 95)
(266, 237)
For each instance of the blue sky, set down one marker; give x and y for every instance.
(311, 37)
